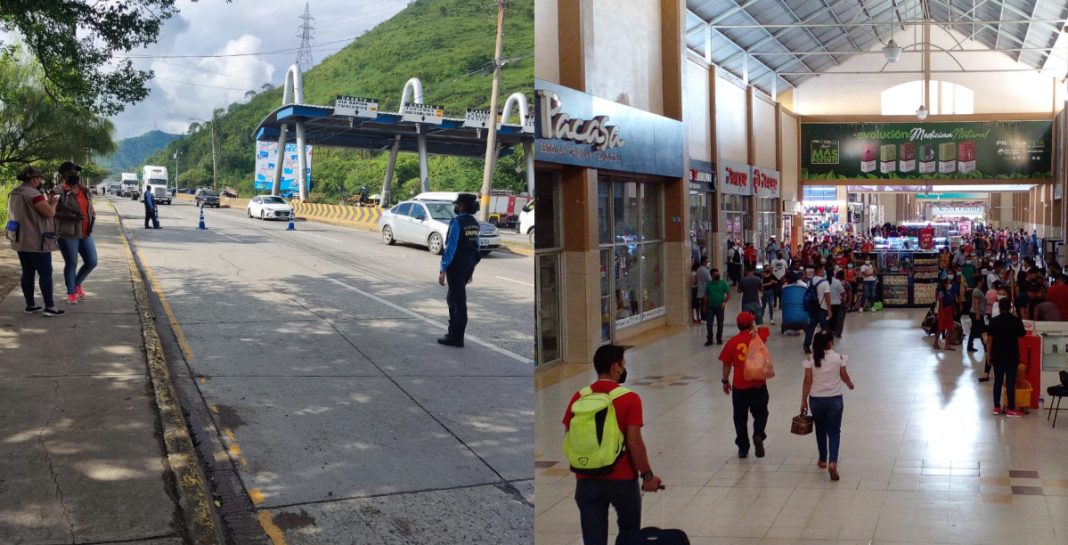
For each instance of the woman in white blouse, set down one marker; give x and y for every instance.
(825, 373)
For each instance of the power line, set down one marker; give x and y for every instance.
(206, 70)
(258, 53)
(200, 85)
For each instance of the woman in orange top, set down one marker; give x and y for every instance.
(75, 217)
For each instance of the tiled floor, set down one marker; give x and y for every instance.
(923, 461)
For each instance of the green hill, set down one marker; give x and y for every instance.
(444, 43)
(132, 152)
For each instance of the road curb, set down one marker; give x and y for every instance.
(194, 503)
(520, 249)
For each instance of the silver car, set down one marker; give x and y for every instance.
(426, 223)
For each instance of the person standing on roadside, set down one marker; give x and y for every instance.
(1005, 331)
(458, 263)
(75, 218)
(717, 293)
(825, 373)
(616, 485)
(32, 232)
(751, 287)
(150, 208)
(747, 396)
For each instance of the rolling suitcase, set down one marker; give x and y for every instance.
(652, 534)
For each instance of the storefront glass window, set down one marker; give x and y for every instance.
(652, 280)
(700, 223)
(631, 254)
(626, 211)
(650, 210)
(607, 299)
(627, 284)
(548, 347)
(546, 211)
(604, 212)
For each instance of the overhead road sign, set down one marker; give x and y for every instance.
(423, 113)
(356, 107)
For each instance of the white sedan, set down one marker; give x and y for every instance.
(268, 207)
(426, 223)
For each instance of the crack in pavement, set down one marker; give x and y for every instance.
(51, 467)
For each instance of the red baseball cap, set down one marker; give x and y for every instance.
(745, 319)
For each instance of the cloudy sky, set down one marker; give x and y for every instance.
(192, 86)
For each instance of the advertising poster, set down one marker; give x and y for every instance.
(971, 150)
(266, 155)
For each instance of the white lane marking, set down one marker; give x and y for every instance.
(531, 284)
(433, 322)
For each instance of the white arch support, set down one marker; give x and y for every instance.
(293, 93)
(519, 100)
(412, 92)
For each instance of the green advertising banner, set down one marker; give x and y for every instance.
(970, 150)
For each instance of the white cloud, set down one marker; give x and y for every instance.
(216, 28)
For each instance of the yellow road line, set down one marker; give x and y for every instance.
(175, 326)
(256, 495)
(270, 528)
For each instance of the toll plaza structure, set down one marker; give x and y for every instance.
(354, 122)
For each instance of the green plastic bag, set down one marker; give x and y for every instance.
(877, 306)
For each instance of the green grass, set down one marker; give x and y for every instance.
(442, 42)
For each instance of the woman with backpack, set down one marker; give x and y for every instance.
(825, 373)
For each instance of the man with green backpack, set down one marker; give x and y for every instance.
(603, 444)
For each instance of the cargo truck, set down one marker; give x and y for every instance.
(155, 178)
(129, 185)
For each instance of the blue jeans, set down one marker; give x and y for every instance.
(869, 292)
(768, 302)
(714, 314)
(593, 497)
(755, 309)
(39, 265)
(827, 416)
(71, 248)
(817, 318)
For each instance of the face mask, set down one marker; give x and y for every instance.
(72, 179)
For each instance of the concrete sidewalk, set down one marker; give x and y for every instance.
(81, 455)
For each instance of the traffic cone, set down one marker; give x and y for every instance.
(291, 227)
(201, 226)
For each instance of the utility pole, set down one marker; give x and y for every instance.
(491, 138)
(307, 31)
(176, 170)
(214, 167)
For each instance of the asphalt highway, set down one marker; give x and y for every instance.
(313, 353)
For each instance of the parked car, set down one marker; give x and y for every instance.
(426, 223)
(206, 197)
(268, 207)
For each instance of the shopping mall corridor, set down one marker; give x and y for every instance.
(923, 460)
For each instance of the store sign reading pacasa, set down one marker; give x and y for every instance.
(579, 129)
(557, 125)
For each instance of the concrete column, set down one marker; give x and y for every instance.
(387, 184)
(572, 48)
(276, 188)
(528, 153)
(582, 265)
(302, 162)
(424, 172)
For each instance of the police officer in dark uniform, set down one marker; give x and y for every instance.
(458, 264)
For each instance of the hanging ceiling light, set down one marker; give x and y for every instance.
(921, 112)
(892, 51)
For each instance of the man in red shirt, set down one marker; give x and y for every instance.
(750, 254)
(619, 488)
(1058, 295)
(749, 396)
